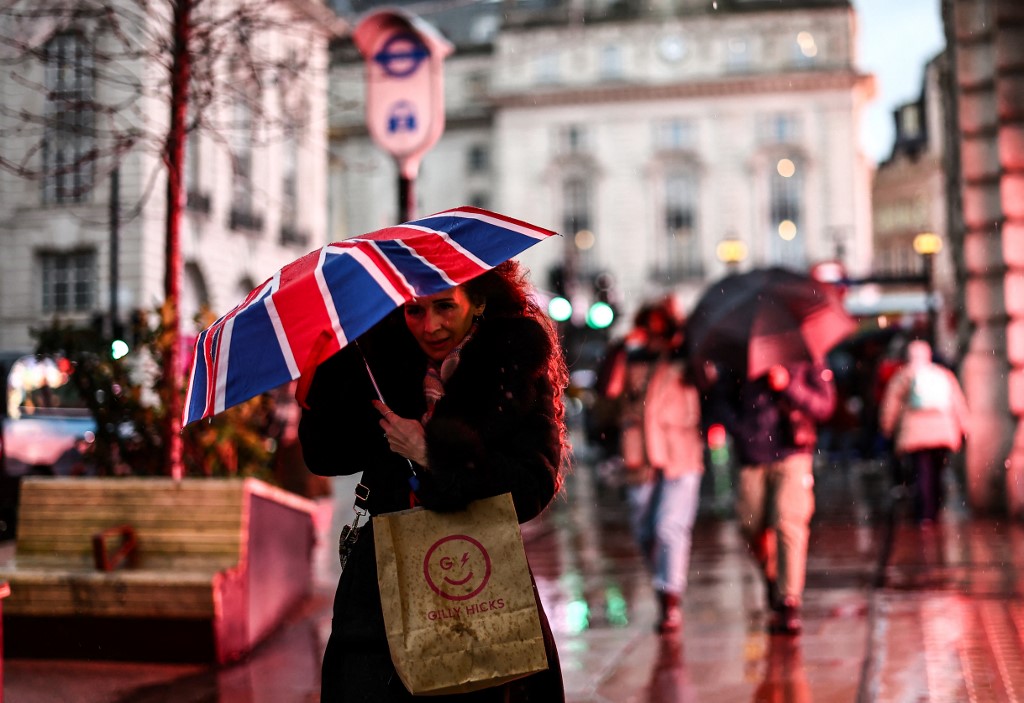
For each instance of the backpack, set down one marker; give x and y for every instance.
(929, 389)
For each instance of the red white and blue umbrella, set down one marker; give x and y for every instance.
(317, 304)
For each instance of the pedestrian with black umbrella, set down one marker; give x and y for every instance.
(765, 334)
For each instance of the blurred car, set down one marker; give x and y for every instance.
(46, 428)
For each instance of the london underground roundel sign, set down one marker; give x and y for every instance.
(404, 84)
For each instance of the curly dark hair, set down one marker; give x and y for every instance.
(508, 293)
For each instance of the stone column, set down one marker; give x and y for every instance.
(1009, 59)
(986, 368)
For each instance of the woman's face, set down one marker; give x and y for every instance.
(440, 321)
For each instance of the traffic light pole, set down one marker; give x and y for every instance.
(115, 247)
(406, 197)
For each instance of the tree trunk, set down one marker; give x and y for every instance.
(174, 159)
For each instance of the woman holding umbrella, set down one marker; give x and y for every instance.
(473, 379)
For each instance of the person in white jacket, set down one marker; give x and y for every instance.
(663, 457)
(925, 413)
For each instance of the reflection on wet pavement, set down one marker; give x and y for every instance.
(588, 570)
(943, 621)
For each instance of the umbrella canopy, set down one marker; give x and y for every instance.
(317, 304)
(752, 321)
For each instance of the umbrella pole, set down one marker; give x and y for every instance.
(376, 389)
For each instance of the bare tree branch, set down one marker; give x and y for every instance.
(92, 81)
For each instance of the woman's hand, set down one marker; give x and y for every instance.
(405, 437)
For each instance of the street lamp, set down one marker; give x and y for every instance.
(731, 252)
(927, 245)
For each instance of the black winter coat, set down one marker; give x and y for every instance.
(493, 432)
(770, 425)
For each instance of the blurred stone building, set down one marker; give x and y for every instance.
(646, 133)
(81, 97)
(958, 170)
(987, 198)
(909, 199)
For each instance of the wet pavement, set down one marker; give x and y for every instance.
(893, 612)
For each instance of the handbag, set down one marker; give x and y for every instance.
(459, 604)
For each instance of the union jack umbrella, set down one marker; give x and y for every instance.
(317, 304)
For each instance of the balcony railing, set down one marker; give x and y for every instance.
(676, 272)
(197, 201)
(294, 236)
(245, 220)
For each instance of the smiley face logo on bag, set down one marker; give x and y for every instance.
(457, 567)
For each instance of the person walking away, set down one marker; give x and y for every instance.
(663, 460)
(603, 429)
(473, 378)
(773, 421)
(925, 413)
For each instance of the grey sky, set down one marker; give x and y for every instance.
(896, 38)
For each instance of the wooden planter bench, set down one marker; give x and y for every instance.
(216, 564)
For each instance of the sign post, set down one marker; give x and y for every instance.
(404, 91)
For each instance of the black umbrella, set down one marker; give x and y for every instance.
(752, 321)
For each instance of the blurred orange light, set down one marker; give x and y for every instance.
(731, 251)
(927, 243)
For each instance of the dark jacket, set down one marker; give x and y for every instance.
(768, 425)
(493, 432)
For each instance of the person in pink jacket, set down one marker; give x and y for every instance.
(663, 457)
(925, 413)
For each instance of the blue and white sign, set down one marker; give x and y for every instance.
(404, 84)
(401, 55)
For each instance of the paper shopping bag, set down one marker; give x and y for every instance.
(459, 605)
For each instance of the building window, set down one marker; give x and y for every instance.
(785, 193)
(69, 281)
(899, 259)
(779, 128)
(610, 62)
(737, 54)
(675, 135)
(478, 159)
(804, 49)
(572, 139)
(575, 206)
(291, 233)
(576, 223)
(484, 29)
(476, 84)
(68, 141)
(546, 68)
(242, 214)
(910, 121)
(480, 200)
(242, 158)
(192, 161)
(196, 199)
(680, 255)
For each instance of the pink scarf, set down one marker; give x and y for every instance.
(438, 375)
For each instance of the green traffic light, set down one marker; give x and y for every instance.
(118, 349)
(600, 316)
(559, 309)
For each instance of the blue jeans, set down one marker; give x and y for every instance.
(663, 513)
